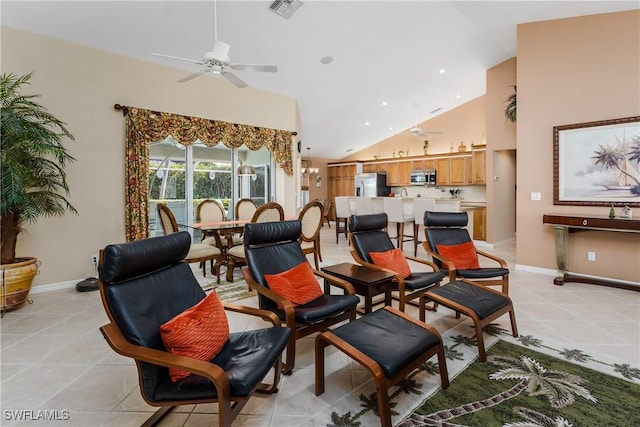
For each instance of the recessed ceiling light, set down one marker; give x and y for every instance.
(442, 71)
(390, 128)
(384, 103)
(458, 96)
(367, 123)
(326, 60)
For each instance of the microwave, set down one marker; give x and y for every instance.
(423, 177)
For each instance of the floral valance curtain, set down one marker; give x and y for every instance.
(145, 126)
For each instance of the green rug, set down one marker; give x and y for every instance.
(229, 292)
(521, 387)
(550, 386)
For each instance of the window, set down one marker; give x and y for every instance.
(182, 176)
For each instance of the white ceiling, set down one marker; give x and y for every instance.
(383, 51)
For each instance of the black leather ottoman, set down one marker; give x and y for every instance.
(482, 304)
(390, 344)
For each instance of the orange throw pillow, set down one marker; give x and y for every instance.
(394, 260)
(298, 284)
(463, 255)
(199, 332)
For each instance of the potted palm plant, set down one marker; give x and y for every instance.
(34, 182)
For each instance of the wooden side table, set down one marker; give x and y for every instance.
(365, 281)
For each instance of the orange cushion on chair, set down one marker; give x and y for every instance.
(394, 260)
(298, 284)
(463, 255)
(199, 332)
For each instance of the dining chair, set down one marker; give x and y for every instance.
(269, 212)
(311, 220)
(244, 209)
(343, 212)
(209, 249)
(420, 206)
(210, 210)
(152, 299)
(326, 213)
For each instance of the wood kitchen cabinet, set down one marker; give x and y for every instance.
(399, 173)
(479, 224)
(478, 168)
(341, 181)
(454, 170)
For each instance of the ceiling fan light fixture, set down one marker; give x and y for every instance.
(284, 8)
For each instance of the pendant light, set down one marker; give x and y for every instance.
(306, 166)
(246, 170)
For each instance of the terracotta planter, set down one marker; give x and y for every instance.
(15, 282)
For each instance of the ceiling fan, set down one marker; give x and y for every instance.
(417, 131)
(217, 61)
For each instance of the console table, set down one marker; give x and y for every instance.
(565, 224)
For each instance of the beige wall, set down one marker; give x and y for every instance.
(465, 123)
(573, 71)
(80, 85)
(500, 163)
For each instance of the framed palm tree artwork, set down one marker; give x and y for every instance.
(597, 163)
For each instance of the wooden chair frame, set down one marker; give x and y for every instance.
(300, 330)
(314, 238)
(477, 322)
(383, 384)
(164, 210)
(228, 406)
(403, 297)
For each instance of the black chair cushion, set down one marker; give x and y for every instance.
(358, 223)
(260, 233)
(127, 260)
(481, 301)
(482, 273)
(246, 358)
(422, 280)
(445, 219)
(388, 339)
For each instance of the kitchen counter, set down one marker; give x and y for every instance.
(444, 204)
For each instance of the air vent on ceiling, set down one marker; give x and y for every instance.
(285, 8)
(436, 110)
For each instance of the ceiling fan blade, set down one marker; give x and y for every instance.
(233, 79)
(195, 61)
(191, 77)
(255, 67)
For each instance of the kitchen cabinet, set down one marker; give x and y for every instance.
(374, 167)
(454, 170)
(399, 173)
(478, 168)
(421, 165)
(479, 224)
(341, 181)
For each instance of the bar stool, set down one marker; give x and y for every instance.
(343, 212)
(364, 206)
(395, 213)
(420, 205)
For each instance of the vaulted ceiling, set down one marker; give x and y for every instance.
(387, 56)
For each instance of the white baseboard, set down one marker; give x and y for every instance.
(55, 286)
(538, 270)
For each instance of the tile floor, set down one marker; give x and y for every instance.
(54, 358)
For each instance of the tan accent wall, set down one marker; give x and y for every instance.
(573, 71)
(465, 123)
(501, 154)
(80, 85)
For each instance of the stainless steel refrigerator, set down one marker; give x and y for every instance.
(371, 184)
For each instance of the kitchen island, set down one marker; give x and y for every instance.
(475, 210)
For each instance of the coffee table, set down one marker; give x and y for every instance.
(365, 281)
